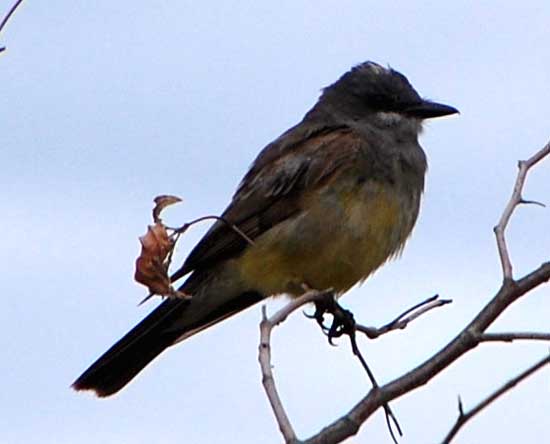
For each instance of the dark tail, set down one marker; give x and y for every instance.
(171, 322)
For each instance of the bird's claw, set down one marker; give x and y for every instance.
(342, 319)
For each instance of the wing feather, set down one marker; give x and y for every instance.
(273, 189)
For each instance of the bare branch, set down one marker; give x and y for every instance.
(401, 321)
(516, 199)
(464, 417)
(264, 356)
(509, 337)
(269, 383)
(466, 340)
(7, 17)
(469, 338)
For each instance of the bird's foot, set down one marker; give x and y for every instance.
(343, 321)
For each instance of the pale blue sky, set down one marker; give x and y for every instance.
(108, 104)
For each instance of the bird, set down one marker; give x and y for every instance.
(324, 206)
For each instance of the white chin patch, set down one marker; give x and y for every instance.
(390, 118)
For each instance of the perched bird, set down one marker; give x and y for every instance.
(325, 204)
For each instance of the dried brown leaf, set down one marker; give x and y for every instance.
(161, 202)
(152, 263)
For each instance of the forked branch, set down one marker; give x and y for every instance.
(264, 357)
(472, 335)
(515, 200)
(464, 417)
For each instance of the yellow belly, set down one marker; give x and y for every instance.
(344, 235)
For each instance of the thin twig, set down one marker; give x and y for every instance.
(344, 324)
(236, 229)
(7, 17)
(532, 202)
(516, 199)
(509, 337)
(464, 417)
(390, 416)
(409, 315)
(264, 357)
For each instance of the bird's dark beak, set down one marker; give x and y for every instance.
(427, 109)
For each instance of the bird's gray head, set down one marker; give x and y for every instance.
(370, 90)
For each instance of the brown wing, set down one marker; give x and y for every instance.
(270, 192)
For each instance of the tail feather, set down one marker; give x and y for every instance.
(125, 359)
(171, 322)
